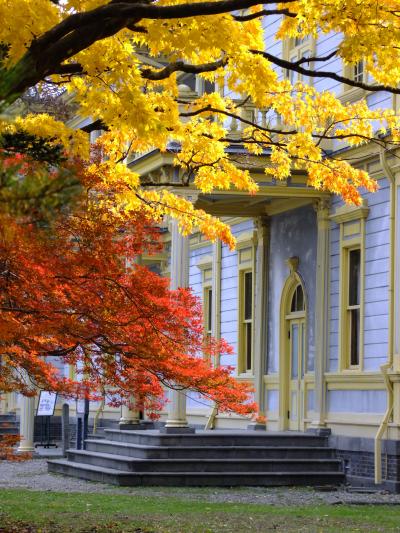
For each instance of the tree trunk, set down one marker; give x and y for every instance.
(14, 81)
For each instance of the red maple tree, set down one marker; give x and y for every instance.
(73, 291)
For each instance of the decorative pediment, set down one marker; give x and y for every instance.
(347, 213)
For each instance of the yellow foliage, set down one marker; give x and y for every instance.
(118, 87)
(56, 132)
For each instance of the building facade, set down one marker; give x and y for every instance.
(309, 300)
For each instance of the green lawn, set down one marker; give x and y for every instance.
(23, 511)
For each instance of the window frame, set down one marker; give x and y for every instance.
(246, 324)
(208, 309)
(205, 265)
(352, 94)
(359, 74)
(348, 308)
(246, 257)
(352, 230)
(294, 52)
(345, 309)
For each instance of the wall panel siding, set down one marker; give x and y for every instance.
(356, 401)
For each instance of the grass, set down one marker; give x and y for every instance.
(24, 511)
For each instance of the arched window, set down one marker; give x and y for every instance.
(298, 303)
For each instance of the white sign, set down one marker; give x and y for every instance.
(47, 403)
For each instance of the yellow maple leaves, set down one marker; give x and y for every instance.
(124, 83)
(76, 142)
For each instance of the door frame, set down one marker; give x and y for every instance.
(293, 280)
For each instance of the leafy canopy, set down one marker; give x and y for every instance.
(122, 61)
(70, 292)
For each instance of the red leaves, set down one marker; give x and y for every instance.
(8, 451)
(75, 295)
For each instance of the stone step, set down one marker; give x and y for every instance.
(9, 417)
(96, 436)
(8, 429)
(130, 464)
(215, 438)
(229, 478)
(208, 452)
(99, 433)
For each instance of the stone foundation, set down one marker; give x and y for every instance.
(357, 455)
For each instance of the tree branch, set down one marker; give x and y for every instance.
(124, 12)
(68, 68)
(264, 13)
(314, 59)
(180, 66)
(296, 67)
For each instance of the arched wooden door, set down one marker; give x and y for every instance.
(293, 356)
(296, 322)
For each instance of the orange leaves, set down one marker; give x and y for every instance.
(73, 294)
(8, 451)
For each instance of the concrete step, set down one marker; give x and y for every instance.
(130, 464)
(96, 436)
(9, 417)
(215, 438)
(9, 429)
(208, 452)
(229, 478)
(99, 433)
(100, 430)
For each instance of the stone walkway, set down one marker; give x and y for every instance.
(33, 475)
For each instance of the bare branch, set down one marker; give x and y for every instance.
(69, 68)
(315, 59)
(180, 66)
(296, 67)
(264, 13)
(128, 13)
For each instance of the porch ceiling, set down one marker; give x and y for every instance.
(268, 201)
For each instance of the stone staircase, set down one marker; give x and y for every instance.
(8, 425)
(207, 458)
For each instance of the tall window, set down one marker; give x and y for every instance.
(208, 311)
(358, 72)
(353, 306)
(246, 333)
(351, 289)
(207, 274)
(294, 50)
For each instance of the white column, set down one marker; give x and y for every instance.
(260, 314)
(27, 419)
(129, 417)
(3, 404)
(177, 421)
(321, 313)
(11, 402)
(216, 315)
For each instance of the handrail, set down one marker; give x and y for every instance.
(383, 425)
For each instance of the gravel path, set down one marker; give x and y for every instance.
(33, 475)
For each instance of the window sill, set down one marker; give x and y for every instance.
(352, 94)
(245, 375)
